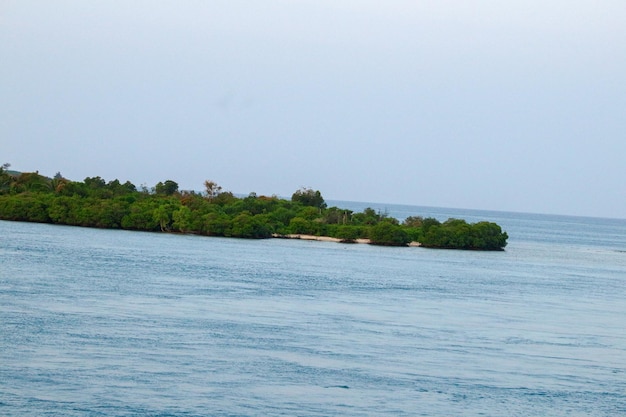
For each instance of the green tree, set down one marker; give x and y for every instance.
(94, 182)
(182, 219)
(224, 198)
(215, 224)
(364, 217)
(309, 213)
(58, 183)
(31, 182)
(6, 179)
(280, 218)
(488, 236)
(117, 188)
(29, 207)
(347, 234)
(301, 226)
(336, 215)
(429, 222)
(413, 221)
(95, 203)
(141, 216)
(63, 209)
(112, 212)
(168, 188)
(309, 197)
(458, 234)
(248, 226)
(388, 234)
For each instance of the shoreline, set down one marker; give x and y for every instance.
(330, 239)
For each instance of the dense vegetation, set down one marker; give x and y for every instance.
(95, 202)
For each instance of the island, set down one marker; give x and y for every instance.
(94, 202)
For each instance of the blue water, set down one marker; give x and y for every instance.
(116, 323)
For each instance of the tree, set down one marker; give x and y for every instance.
(5, 178)
(280, 218)
(488, 236)
(458, 234)
(413, 221)
(336, 215)
(162, 217)
(309, 213)
(388, 234)
(301, 226)
(94, 182)
(168, 187)
(224, 198)
(63, 209)
(429, 222)
(71, 188)
(20, 208)
(95, 203)
(347, 234)
(141, 216)
(308, 197)
(215, 224)
(58, 183)
(182, 219)
(248, 226)
(31, 181)
(211, 189)
(117, 188)
(369, 216)
(108, 213)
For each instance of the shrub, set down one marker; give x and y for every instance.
(388, 234)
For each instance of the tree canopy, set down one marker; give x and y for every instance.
(309, 197)
(94, 202)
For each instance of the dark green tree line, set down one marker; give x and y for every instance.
(95, 202)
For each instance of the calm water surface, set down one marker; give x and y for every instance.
(116, 323)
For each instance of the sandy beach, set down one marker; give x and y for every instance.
(328, 239)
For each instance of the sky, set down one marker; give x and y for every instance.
(515, 105)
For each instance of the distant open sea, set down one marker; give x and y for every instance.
(118, 323)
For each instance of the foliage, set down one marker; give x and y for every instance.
(413, 221)
(248, 226)
(336, 215)
(25, 207)
(95, 202)
(215, 224)
(141, 216)
(168, 187)
(211, 189)
(458, 234)
(429, 222)
(371, 217)
(347, 234)
(308, 197)
(5, 178)
(30, 182)
(182, 219)
(389, 234)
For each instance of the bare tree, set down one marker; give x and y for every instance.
(212, 189)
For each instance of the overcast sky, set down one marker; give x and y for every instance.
(516, 105)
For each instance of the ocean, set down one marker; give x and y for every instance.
(118, 323)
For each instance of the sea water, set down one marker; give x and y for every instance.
(118, 323)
